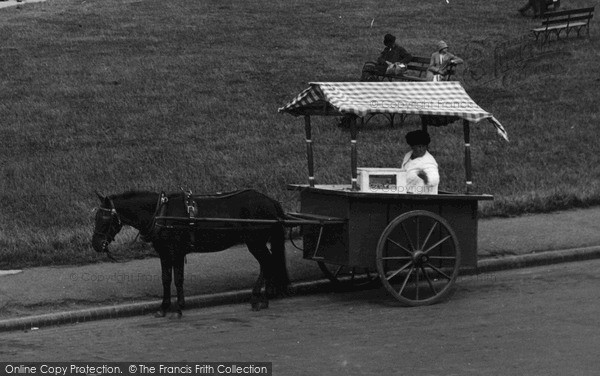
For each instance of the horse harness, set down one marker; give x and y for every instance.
(192, 211)
(161, 210)
(159, 223)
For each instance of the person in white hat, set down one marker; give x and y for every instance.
(441, 63)
(422, 175)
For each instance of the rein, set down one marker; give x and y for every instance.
(108, 237)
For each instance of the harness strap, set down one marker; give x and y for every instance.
(192, 211)
(161, 209)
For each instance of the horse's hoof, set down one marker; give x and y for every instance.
(258, 304)
(255, 302)
(160, 314)
(177, 315)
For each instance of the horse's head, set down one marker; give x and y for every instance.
(107, 224)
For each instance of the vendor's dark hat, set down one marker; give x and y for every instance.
(418, 137)
(389, 39)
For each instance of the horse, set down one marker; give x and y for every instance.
(179, 223)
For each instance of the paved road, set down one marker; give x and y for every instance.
(537, 321)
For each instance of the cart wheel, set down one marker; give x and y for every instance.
(418, 258)
(341, 275)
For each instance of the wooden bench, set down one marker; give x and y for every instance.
(567, 20)
(416, 70)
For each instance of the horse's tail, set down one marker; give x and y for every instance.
(278, 248)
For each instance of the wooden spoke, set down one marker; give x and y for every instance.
(415, 280)
(399, 271)
(418, 233)
(399, 246)
(437, 244)
(439, 271)
(408, 238)
(429, 281)
(417, 283)
(429, 234)
(406, 280)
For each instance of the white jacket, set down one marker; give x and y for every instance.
(427, 164)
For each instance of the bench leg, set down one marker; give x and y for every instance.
(557, 32)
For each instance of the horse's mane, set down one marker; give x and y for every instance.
(131, 194)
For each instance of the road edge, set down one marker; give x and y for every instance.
(300, 288)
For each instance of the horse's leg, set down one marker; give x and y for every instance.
(263, 256)
(281, 279)
(178, 268)
(259, 301)
(166, 266)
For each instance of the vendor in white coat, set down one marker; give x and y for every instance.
(422, 175)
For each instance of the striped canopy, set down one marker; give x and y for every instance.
(361, 98)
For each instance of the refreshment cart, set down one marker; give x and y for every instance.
(418, 243)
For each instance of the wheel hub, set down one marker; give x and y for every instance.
(419, 258)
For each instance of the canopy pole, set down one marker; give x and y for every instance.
(309, 151)
(467, 138)
(353, 153)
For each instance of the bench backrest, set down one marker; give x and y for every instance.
(566, 16)
(419, 64)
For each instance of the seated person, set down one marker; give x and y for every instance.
(441, 63)
(540, 7)
(392, 53)
(422, 175)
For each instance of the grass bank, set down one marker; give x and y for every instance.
(115, 95)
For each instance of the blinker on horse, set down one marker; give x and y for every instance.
(167, 221)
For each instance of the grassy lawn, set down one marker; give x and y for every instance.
(145, 94)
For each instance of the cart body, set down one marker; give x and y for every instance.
(367, 214)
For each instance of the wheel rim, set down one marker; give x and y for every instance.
(418, 258)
